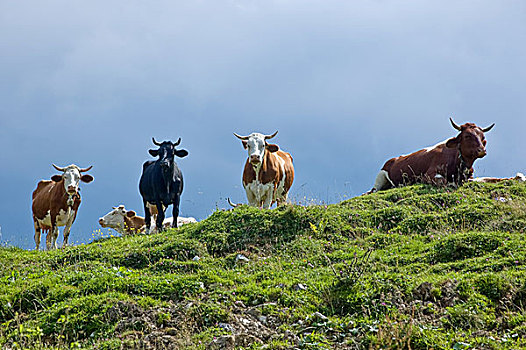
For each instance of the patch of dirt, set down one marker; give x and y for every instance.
(248, 325)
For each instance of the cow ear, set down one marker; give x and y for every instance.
(86, 178)
(272, 147)
(453, 142)
(154, 152)
(130, 213)
(244, 142)
(181, 153)
(56, 178)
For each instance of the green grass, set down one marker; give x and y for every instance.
(416, 267)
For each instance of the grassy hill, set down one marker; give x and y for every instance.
(416, 267)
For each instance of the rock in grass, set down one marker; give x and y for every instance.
(242, 258)
(299, 286)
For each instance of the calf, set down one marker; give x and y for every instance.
(56, 202)
(123, 221)
(127, 222)
(450, 161)
(268, 172)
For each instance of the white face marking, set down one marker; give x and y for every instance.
(114, 219)
(71, 178)
(256, 147)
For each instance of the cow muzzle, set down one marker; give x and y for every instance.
(254, 160)
(482, 153)
(72, 190)
(101, 222)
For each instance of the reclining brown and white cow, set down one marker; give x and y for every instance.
(449, 162)
(519, 177)
(127, 222)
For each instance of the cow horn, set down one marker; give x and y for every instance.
(232, 204)
(58, 168)
(488, 128)
(85, 169)
(178, 142)
(155, 142)
(455, 125)
(268, 137)
(241, 137)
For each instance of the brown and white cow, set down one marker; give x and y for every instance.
(268, 172)
(56, 202)
(450, 161)
(123, 221)
(128, 222)
(519, 177)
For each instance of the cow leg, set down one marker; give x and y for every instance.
(160, 217)
(175, 211)
(51, 238)
(66, 235)
(282, 199)
(267, 201)
(147, 217)
(38, 234)
(55, 237)
(251, 198)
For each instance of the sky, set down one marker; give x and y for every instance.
(348, 85)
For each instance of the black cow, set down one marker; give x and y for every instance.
(161, 182)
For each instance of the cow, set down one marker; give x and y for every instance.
(519, 177)
(161, 182)
(268, 172)
(56, 203)
(123, 221)
(450, 161)
(128, 222)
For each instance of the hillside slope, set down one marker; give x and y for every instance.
(415, 267)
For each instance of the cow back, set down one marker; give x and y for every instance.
(412, 168)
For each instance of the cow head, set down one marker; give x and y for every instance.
(72, 176)
(166, 153)
(470, 142)
(256, 144)
(115, 218)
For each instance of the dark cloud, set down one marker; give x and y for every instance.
(347, 84)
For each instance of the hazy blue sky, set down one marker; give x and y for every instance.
(348, 84)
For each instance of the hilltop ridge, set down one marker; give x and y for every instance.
(415, 267)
